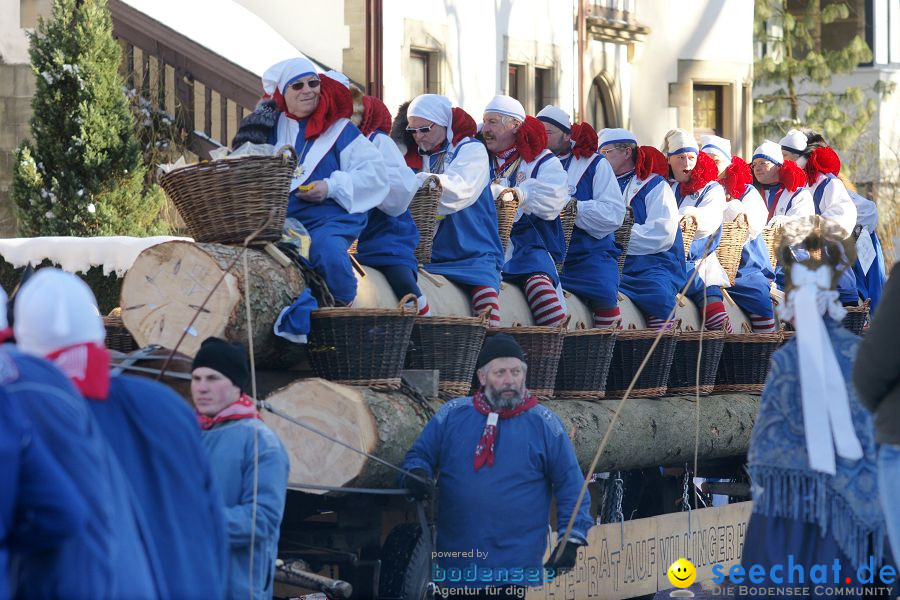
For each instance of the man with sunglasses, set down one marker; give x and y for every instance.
(466, 247)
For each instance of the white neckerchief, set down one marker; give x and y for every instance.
(826, 408)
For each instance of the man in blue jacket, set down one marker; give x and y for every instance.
(500, 457)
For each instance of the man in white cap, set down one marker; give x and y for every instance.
(466, 247)
(752, 283)
(591, 268)
(783, 184)
(699, 195)
(340, 175)
(520, 160)
(654, 266)
(151, 431)
(793, 147)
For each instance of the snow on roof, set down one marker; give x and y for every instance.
(73, 254)
(224, 27)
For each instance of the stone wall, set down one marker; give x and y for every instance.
(17, 86)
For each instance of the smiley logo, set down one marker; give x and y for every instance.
(681, 573)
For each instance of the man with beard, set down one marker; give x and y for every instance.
(499, 455)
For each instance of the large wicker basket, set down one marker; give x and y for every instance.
(567, 218)
(424, 213)
(688, 231)
(360, 346)
(734, 236)
(623, 236)
(543, 347)
(855, 319)
(631, 347)
(772, 237)
(450, 345)
(745, 362)
(683, 374)
(224, 201)
(117, 336)
(584, 364)
(507, 203)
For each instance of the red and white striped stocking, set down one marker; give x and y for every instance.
(484, 298)
(546, 308)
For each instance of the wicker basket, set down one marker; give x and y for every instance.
(224, 201)
(423, 208)
(623, 236)
(745, 361)
(683, 375)
(772, 237)
(117, 336)
(361, 346)
(567, 218)
(543, 347)
(584, 364)
(688, 231)
(734, 236)
(856, 317)
(507, 203)
(631, 347)
(450, 345)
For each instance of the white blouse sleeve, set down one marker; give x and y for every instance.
(402, 180)
(710, 212)
(657, 233)
(866, 211)
(755, 209)
(464, 179)
(837, 205)
(545, 196)
(604, 213)
(361, 183)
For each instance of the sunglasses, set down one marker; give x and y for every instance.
(298, 85)
(414, 130)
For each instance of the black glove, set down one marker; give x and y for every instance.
(567, 560)
(419, 490)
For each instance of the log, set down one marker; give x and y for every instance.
(168, 283)
(385, 424)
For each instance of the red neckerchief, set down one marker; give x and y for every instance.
(242, 408)
(87, 365)
(774, 202)
(508, 157)
(375, 116)
(484, 451)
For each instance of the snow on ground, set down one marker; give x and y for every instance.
(73, 254)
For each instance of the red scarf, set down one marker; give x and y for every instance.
(463, 127)
(335, 102)
(242, 408)
(87, 366)
(703, 172)
(508, 157)
(375, 116)
(585, 139)
(484, 451)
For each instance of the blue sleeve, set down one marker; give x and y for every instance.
(426, 451)
(567, 479)
(49, 507)
(271, 488)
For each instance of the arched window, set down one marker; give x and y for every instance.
(602, 108)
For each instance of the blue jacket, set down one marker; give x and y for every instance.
(39, 505)
(111, 557)
(231, 451)
(156, 438)
(500, 510)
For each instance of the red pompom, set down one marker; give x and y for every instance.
(585, 139)
(463, 125)
(703, 172)
(736, 177)
(376, 116)
(822, 160)
(531, 139)
(650, 161)
(335, 102)
(791, 176)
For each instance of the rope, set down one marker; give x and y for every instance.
(254, 505)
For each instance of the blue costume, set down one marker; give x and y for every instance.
(591, 267)
(39, 504)
(156, 439)
(655, 267)
(751, 285)
(710, 275)
(784, 206)
(500, 509)
(466, 248)
(832, 201)
(112, 557)
(230, 446)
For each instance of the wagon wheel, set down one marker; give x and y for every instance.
(406, 564)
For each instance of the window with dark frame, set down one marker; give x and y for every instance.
(513, 88)
(419, 72)
(707, 109)
(542, 96)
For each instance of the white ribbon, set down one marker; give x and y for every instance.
(826, 408)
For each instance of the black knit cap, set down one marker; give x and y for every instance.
(228, 359)
(500, 345)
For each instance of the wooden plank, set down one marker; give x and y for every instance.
(207, 110)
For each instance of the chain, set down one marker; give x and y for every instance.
(618, 494)
(685, 497)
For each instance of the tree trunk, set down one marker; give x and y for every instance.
(385, 424)
(168, 283)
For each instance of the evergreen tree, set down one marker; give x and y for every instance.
(795, 74)
(83, 173)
